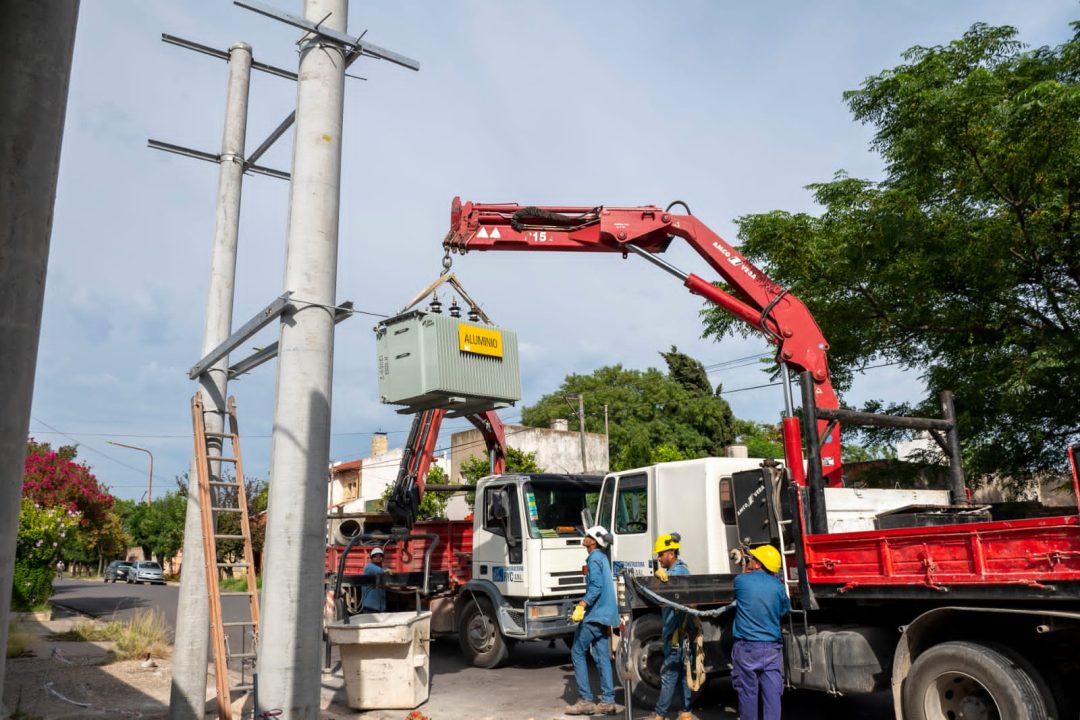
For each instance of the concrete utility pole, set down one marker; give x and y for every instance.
(191, 651)
(289, 655)
(36, 44)
(581, 426)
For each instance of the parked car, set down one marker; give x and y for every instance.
(117, 570)
(146, 571)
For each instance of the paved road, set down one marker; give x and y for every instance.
(536, 684)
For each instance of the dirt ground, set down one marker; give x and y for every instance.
(60, 680)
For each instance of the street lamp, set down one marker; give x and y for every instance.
(150, 486)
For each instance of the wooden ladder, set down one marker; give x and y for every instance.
(218, 495)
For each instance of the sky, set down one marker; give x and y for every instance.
(731, 107)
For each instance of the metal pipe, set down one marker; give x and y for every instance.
(36, 45)
(662, 264)
(818, 519)
(957, 487)
(188, 693)
(288, 661)
(854, 417)
(150, 484)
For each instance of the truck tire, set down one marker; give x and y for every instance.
(962, 679)
(646, 656)
(478, 634)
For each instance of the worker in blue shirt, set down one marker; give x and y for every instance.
(596, 614)
(757, 658)
(673, 670)
(373, 599)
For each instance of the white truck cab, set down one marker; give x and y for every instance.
(691, 497)
(527, 562)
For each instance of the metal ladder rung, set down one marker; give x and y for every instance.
(241, 623)
(222, 483)
(220, 458)
(218, 434)
(241, 655)
(226, 509)
(236, 565)
(228, 537)
(234, 593)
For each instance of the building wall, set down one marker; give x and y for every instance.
(557, 451)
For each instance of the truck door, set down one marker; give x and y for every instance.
(498, 546)
(629, 522)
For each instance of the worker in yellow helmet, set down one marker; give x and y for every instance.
(757, 658)
(672, 672)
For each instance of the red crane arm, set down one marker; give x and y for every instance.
(649, 230)
(419, 454)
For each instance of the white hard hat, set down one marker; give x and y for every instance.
(377, 551)
(599, 534)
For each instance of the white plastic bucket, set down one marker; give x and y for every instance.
(385, 658)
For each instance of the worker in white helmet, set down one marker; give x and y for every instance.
(596, 614)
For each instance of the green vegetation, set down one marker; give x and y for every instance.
(963, 263)
(238, 584)
(517, 461)
(652, 416)
(18, 642)
(433, 505)
(145, 634)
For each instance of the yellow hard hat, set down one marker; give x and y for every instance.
(666, 542)
(768, 556)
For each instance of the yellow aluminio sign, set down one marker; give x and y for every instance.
(479, 340)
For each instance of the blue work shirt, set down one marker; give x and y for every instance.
(599, 597)
(673, 619)
(373, 599)
(760, 602)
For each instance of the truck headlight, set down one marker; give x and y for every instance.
(543, 611)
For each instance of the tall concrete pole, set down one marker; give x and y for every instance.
(36, 44)
(289, 656)
(191, 651)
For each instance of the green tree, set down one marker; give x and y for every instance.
(433, 504)
(517, 461)
(963, 263)
(762, 440)
(646, 410)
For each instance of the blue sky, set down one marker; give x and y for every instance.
(731, 107)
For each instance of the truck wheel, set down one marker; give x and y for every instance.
(963, 679)
(479, 636)
(646, 657)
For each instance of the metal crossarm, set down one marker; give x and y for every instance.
(210, 504)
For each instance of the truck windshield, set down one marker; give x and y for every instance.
(554, 505)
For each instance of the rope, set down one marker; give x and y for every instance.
(694, 666)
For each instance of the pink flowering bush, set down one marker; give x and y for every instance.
(41, 532)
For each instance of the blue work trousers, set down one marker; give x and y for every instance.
(672, 675)
(758, 678)
(592, 637)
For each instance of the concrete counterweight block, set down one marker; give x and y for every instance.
(385, 658)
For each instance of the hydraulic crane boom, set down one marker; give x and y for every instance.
(419, 453)
(648, 230)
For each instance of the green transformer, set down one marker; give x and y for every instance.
(429, 360)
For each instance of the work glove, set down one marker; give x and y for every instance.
(728, 608)
(579, 613)
(661, 574)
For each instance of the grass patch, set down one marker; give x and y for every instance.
(18, 642)
(238, 584)
(144, 634)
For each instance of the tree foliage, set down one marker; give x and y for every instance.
(963, 263)
(42, 531)
(53, 478)
(517, 461)
(433, 504)
(651, 414)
